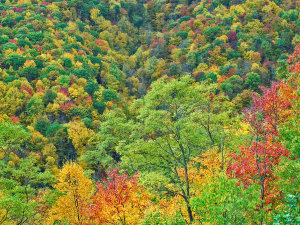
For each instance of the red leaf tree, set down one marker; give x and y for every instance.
(255, 163)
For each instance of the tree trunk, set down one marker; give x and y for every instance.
(190, 214)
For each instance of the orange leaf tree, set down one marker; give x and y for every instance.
(119, 200)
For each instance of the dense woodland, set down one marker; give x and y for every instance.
(161, 112)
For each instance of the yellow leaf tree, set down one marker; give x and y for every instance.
(77, 192)
(79, 135)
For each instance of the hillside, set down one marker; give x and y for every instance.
(149, 112)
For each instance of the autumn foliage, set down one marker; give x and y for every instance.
(76, 192)
(119, 200)
(194, 103)
(256, 163)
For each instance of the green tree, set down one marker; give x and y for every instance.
(223, 201)
(290, 213)
(35, 106)
(67, 62)
(252, 81)
(35, 37)
(109, 95)
(13, 138)
(10, 45)
(41, 125)
(232, 86)
(91, 87)
(100, 106)
(82, 73)
(49, 97)
(112, 130)
(158, 219)
(30, 73)
(14, 60)
(212, 32)
(168, 132)
(19, 187)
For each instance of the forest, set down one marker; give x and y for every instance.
(149, 112)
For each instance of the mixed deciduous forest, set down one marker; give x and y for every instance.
(149, 112)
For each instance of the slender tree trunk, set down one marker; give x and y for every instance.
(222, 148)
(262, 204)
(190, 213)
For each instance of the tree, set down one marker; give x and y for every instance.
(112, 130)
(287, 170)
(35, 37)
(294, 61)
(10, 45)
(174, 69)
(67, 62)
(13, 138)
(82, 73)
(252, 81)
(289, 130)
(212, 32)
(14, 60)
(19, 185)
(256, 162)
(30, 73)
(41, 125)
(76, 195)
(35, 106)
(232, 86)
(91, 87)
(79, 135)
(166, 134)
(288, 215)
(223, 201)
(119, 200)
(49, 97)
(99, 106)
(275, 105)
(109, 95)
